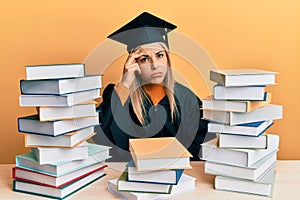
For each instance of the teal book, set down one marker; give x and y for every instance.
(97, 153)
(56, 193)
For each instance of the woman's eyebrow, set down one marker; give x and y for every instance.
(159, 52)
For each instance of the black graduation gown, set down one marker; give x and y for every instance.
(119, 123)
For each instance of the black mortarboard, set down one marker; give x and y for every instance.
(144, 29)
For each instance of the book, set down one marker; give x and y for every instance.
(249, 129)
(58, 100)
(251, 93)
(97, 153)
(58, 193)
(31, 124)
(253, 172)
(170, 177)
(185, 184)
(209, 103)
(68, 140)
(267, 112)
(54, 71)
(263, 187)
(130, 186)
(53, 181)
(242, 77)
(243, 142)
(67, 112)
(159, 153)
(60, 86)
(46, 155)
(237, 157)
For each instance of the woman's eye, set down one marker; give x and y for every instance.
(160, 55)
(143, 60)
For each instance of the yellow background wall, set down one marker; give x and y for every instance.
(236, 34)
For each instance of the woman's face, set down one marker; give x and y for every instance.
(153, 63)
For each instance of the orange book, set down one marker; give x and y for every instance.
(159, 153)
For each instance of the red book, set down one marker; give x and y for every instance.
(53, 181)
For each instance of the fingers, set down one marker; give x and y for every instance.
(133, 67)
(133, 55)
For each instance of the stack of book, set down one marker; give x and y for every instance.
(61, 160)
(156, 171)
(243, 156)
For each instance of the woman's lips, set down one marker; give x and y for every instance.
(158, 74)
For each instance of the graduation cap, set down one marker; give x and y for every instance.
(144, 29)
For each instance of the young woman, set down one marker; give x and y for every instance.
(148, 102)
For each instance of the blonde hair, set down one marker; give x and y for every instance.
(138, 95)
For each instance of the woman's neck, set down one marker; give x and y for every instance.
(155, 91)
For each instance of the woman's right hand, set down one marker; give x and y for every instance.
(131, 67)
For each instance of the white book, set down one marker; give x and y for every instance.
(61, 86)
(249, 129)
(185, 184)
(46, 155)
(242, 77)
(53, 181)
(68, 140)
(263, 187)
(171, 176)
(237, 157)
(59, 100)
(54, 71)
(267, 112)
(252, 93)
(31, 124)
(253, 172)
(131, 186)
(58, 193)
(97, 153)
(243, 142)
(67, 112)
(209, 103)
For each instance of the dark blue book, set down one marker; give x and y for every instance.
(250, 129)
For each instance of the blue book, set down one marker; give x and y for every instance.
(170, 177)
(97, 153)
(250, 129)
(32, 124)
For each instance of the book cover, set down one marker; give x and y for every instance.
(71, 139)
(185, 184)
(249, 129)
(243, 142)
(247, 93)
(58, 100)
(97, 153)
(55, 71)
(159, 153)
(253, 172)
(267, 112)
(60, 86)
(242, 106)
(237, 157)
(46, 155)
(32, 124)
(59, 193)
(242, 77)
(263, 186)
(53, 181)
(171, 176)
(130, 186)
(67, 112)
